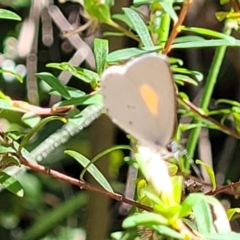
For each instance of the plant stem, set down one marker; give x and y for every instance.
(160, 25)
(176, 27)
(221, 127)
(81, 184)
(164, 29)
(208, 89)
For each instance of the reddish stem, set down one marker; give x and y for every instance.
(83, 185)
(176, 27)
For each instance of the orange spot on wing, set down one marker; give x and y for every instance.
(150, 98)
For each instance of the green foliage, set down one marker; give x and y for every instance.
(177, 214)
(9, 182)
(54, 83)
(91, 169)
(80, 73)
(6, 14)
(100, 49)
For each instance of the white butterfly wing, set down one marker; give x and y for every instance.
(140, 98)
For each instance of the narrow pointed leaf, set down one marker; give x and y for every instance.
(139, 26)
(100, 53)
(54, 83)
(11, 184)
(6, 14)
(92, 169)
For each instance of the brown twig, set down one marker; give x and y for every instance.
(175, 29)
(83, 185)
(225, 189)
(41, 111)
(235, 5)
(222, 127)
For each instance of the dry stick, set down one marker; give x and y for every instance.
(235, 5)
(227, 189)
(83, 185)
(223, 128)
(224, 189)
(175, 29)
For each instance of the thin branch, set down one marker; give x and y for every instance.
(176, 27)
(83, 185)
(201, 114)
(230, 187)
(235, 5)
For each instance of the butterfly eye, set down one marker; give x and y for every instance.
(173, 147)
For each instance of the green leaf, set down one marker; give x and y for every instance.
(221, 222)
(16, 75)
(6, 105)
(100, 47)
(73, 92)
(124, 235)
(199, 76)
(127, 53)
(222, 236)
(101, 154)
(231, 212)
(152, 197)
(54, 83)
(182, 79)
(203, 216)
(11, 184)
(227, 15)
(144, 218)
(173, 169)
(227, 101)
(190, 224)
(80, 73)
(210, 173)
(168, 8)
(167, 231)
(44, 121)
(5, 97)
(85, 100)
(102, 12)
(222, 2)
(6, 149)
(185, 39)
(9, 161)
(188, 203)
(208, 32)
(141, 2)
(188, 126)
(177, 61)
(83, 119)
(236, 116)
(113, 34)
(6, 14)
(124, 18)
(178, 188)
(207, 43)
(92, 169)
(97, 10)
(30, 119)
(139, 26)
